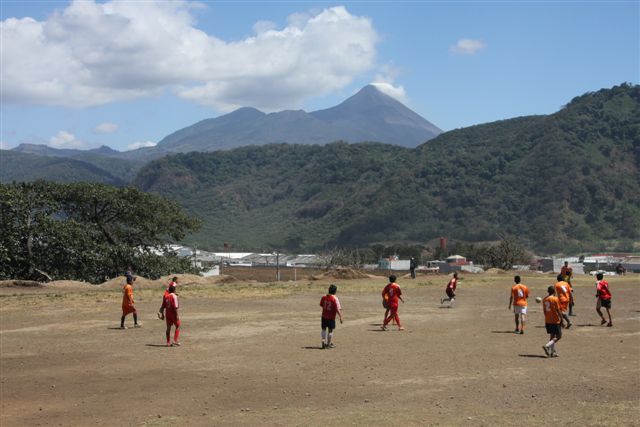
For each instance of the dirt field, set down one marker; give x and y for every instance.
(250, 356)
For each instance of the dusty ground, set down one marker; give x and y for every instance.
(251, 356)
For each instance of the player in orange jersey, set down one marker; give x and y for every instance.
(171, 306)
(519, 295)
(330, 308)
(563, 291)
(392, 293)
(553, 319)
(567, 275)
(128, 305)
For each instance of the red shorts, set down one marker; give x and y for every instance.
(172, 321)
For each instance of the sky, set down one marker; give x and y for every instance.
(81, 74)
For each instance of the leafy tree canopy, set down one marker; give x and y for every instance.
(87, 231)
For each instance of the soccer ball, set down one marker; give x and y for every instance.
(538, 299)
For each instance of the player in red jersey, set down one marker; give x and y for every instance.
(392, 294)
(519, 295)
(128, 305)
(330, 307)
(553, 320)
(174, 283)
(604, 299)
(170, 307)
(451, 290)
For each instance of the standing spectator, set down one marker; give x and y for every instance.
(412, 267)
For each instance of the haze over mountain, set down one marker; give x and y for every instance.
(369, 115)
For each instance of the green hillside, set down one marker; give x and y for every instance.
(85, 167)
(563, 182)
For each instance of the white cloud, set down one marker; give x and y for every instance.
(396, 92)
(384, 81)
(106, 128)
(94, 53)
(137, 145)
(64, 139)
(467, 46)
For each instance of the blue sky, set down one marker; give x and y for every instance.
(125, 74)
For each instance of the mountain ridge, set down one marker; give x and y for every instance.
(568, 181)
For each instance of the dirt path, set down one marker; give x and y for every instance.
(256, 360)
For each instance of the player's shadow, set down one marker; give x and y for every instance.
(312, 347)
(116, 328)
(156, 345)
(584, 325)
(533, 356)
(503, 332)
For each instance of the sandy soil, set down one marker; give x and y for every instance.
(250, 356)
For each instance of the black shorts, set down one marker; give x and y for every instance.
(606, 303)
(450, 293)
(554, 328)
(328, 323)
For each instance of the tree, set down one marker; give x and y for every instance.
(87, 231)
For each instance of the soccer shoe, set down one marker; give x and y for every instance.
(176, 344)
(123, 327)
(332, 345)
(569, 325)
(137, 325)
(516, 331)
(546, 350)
(522, 332)
(610, 324)
(401, 328)
(384, 328)
(555, 354)
(441, 301)
(602, 322)
(323, 345)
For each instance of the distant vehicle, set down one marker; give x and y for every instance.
(604, 272)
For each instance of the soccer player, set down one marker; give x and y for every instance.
(128, 305)
(392, 293)
(604, 299)
(553, 319)
(519, 295)
(174, 283)
(171, 306)
(563, 291)
(330, 307)
(567, 275)
(451, 290)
